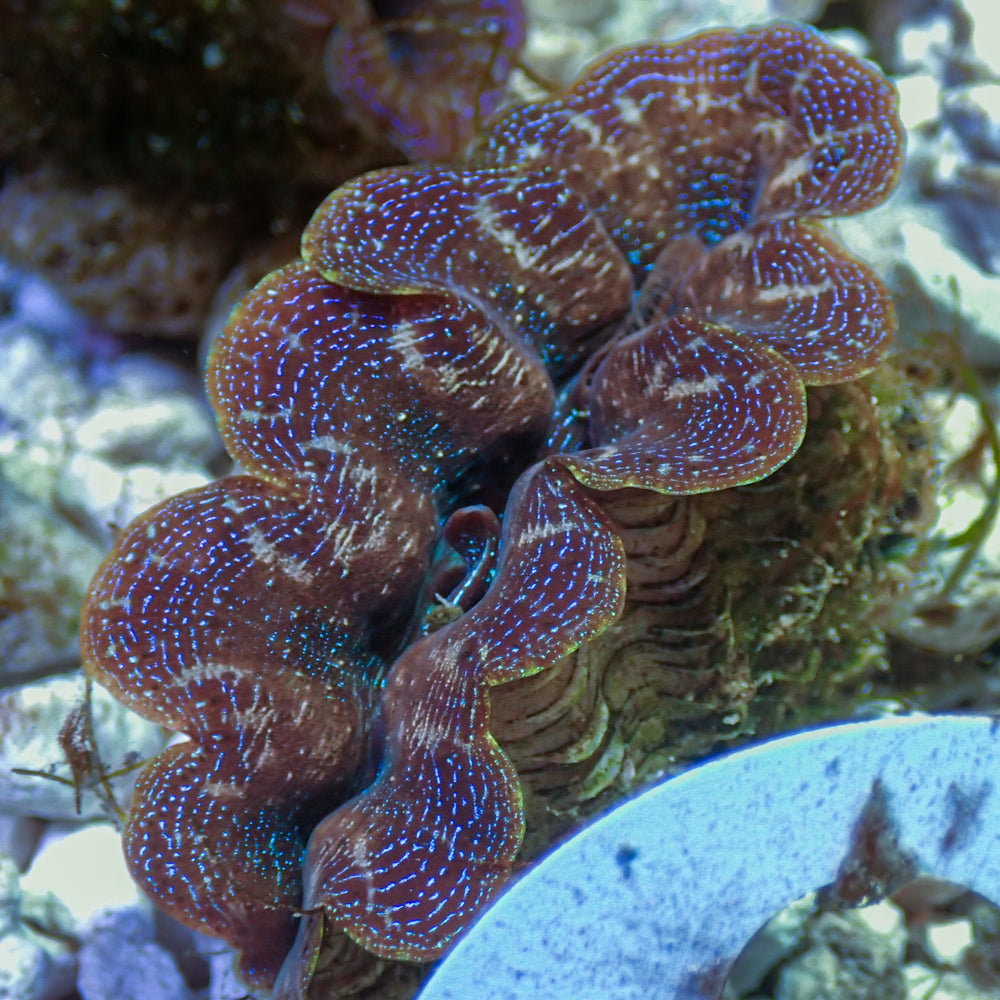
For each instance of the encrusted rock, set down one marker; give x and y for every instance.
(132, 265)
(845, 957)
(938, 242)
(36, 960)
(953, 606)
(119, 960)
(87, 439)
(563, 38)
(32, 717)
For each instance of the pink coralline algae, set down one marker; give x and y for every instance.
(625, 288)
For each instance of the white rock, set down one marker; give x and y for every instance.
(131, 922)
(953, 288)
(86, 444)
(974, 113)
(846, 957)
(224, 983)
(163, 429)
(84, 869)
(111, 970)
(673, 19)
(556, 52)
(938, 290)
(30, 720)
(924, 983)
(919, 99)
(985, 18)
(884, 919)
(564, 36)
(34, 298)
(36, 960)
(33, 379)
(19, 838)
(947, 942)
(120, 960)
(10, 896)
(24, 968)
(968, 619)
(815, 974)
(103, 496)
(924, 44)
(771, 945)
(46, 566)
(578, 12)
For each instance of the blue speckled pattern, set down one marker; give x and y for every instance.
(633, 270)
(711, 133)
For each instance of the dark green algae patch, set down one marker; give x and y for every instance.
(213, 100)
